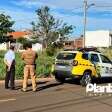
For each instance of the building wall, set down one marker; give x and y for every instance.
(37, 47)
(97, 39)
(78, 43)
(110, 38)
(74, 44)
(3, 46)
(69, 45)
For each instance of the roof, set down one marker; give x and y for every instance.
(19, 34)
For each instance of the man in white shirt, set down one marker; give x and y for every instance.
(9, 60)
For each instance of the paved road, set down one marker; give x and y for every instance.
(53, 97)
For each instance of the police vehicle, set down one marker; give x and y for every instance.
(84, 64)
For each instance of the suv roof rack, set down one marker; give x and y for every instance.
(69, 49)
(88, 49)
(94, 49)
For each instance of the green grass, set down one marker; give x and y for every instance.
(44, 63)
(43, 68)
(2, 66)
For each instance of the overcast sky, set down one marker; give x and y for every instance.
(71, 11)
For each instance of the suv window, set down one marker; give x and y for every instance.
(94, 58)
(85, 56)
(66, 56)
(105, 59)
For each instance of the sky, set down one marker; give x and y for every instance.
(99, 16)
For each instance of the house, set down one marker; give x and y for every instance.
(20, 34)
(69, 44)
(79, 42)
(73, 43)
(17, 35)
(100, 38)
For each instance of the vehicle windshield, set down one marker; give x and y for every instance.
(66, 56)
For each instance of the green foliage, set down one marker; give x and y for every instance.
(19, 66)
(22, 40)
(44, 62)
(5, 27)
(50, 51)
(2, 66)
(43, 68)
(25, 40)
(65, 30)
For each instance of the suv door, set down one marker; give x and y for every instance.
(106, 66)
(95, 59)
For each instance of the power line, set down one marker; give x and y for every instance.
(106, 6)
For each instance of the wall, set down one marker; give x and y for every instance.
(97, 39)
(3, 46)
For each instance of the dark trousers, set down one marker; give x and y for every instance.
(10, 76)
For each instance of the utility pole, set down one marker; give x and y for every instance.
(85, 20)
(86, 6)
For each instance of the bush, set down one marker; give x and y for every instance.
(19, 66)
(2, 65)
(44, 64)
(50, 51)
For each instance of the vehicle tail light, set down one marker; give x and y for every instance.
(75, 63)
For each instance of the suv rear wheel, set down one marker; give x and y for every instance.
(59, 78)
(86, 78)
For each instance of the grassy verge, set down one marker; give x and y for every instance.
(43, 68)
(44, 63)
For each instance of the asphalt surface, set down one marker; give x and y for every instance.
(53, 97)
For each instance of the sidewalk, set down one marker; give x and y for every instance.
(38, 79)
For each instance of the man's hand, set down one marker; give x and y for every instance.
(8, 68)
(8, 64)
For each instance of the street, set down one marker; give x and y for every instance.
(53, 97)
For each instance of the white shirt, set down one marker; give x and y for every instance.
(9, 56)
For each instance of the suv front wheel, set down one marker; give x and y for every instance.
(86, 78)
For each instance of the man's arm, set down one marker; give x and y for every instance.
(5, 61)
(7, 64)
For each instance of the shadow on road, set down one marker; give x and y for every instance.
(97, 81)
(29, 85)
(103, 80)
(73, 81)
(49, 86)
(44, 87)
(69, 81)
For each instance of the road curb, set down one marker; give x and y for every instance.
(38, 79)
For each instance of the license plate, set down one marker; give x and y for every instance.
(61, 66)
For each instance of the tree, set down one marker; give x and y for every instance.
(22, 40)
(5, 27)
(48, 29)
